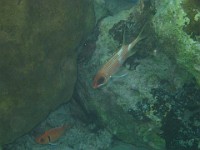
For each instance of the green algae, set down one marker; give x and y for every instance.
(192, 9)
(174, 28)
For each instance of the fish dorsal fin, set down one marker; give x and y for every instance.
(123, 42)
(124, 39)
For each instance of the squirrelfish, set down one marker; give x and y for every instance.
(51, 135)
(113, 65)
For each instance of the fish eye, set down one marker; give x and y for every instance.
(101, 80)
(42, 140)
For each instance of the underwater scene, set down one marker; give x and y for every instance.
(100, 75)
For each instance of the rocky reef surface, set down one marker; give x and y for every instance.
(160, 85)
(38, 59)
(152, 102)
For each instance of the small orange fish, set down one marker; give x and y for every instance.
(51, 135)
(113, 65)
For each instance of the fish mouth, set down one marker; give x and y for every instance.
(95, 86)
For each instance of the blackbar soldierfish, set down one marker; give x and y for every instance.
(113, 65)
(51, 135)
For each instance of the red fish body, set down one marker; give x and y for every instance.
(113, 65)
(51, 135)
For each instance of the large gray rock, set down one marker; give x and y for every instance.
(37, 59)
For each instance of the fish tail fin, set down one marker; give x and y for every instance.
(140, 37)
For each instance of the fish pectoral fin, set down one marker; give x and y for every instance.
(53, 144)
(117, 78)
(120, 76)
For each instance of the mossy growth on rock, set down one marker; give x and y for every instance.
(192, 8)
(174, 24)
